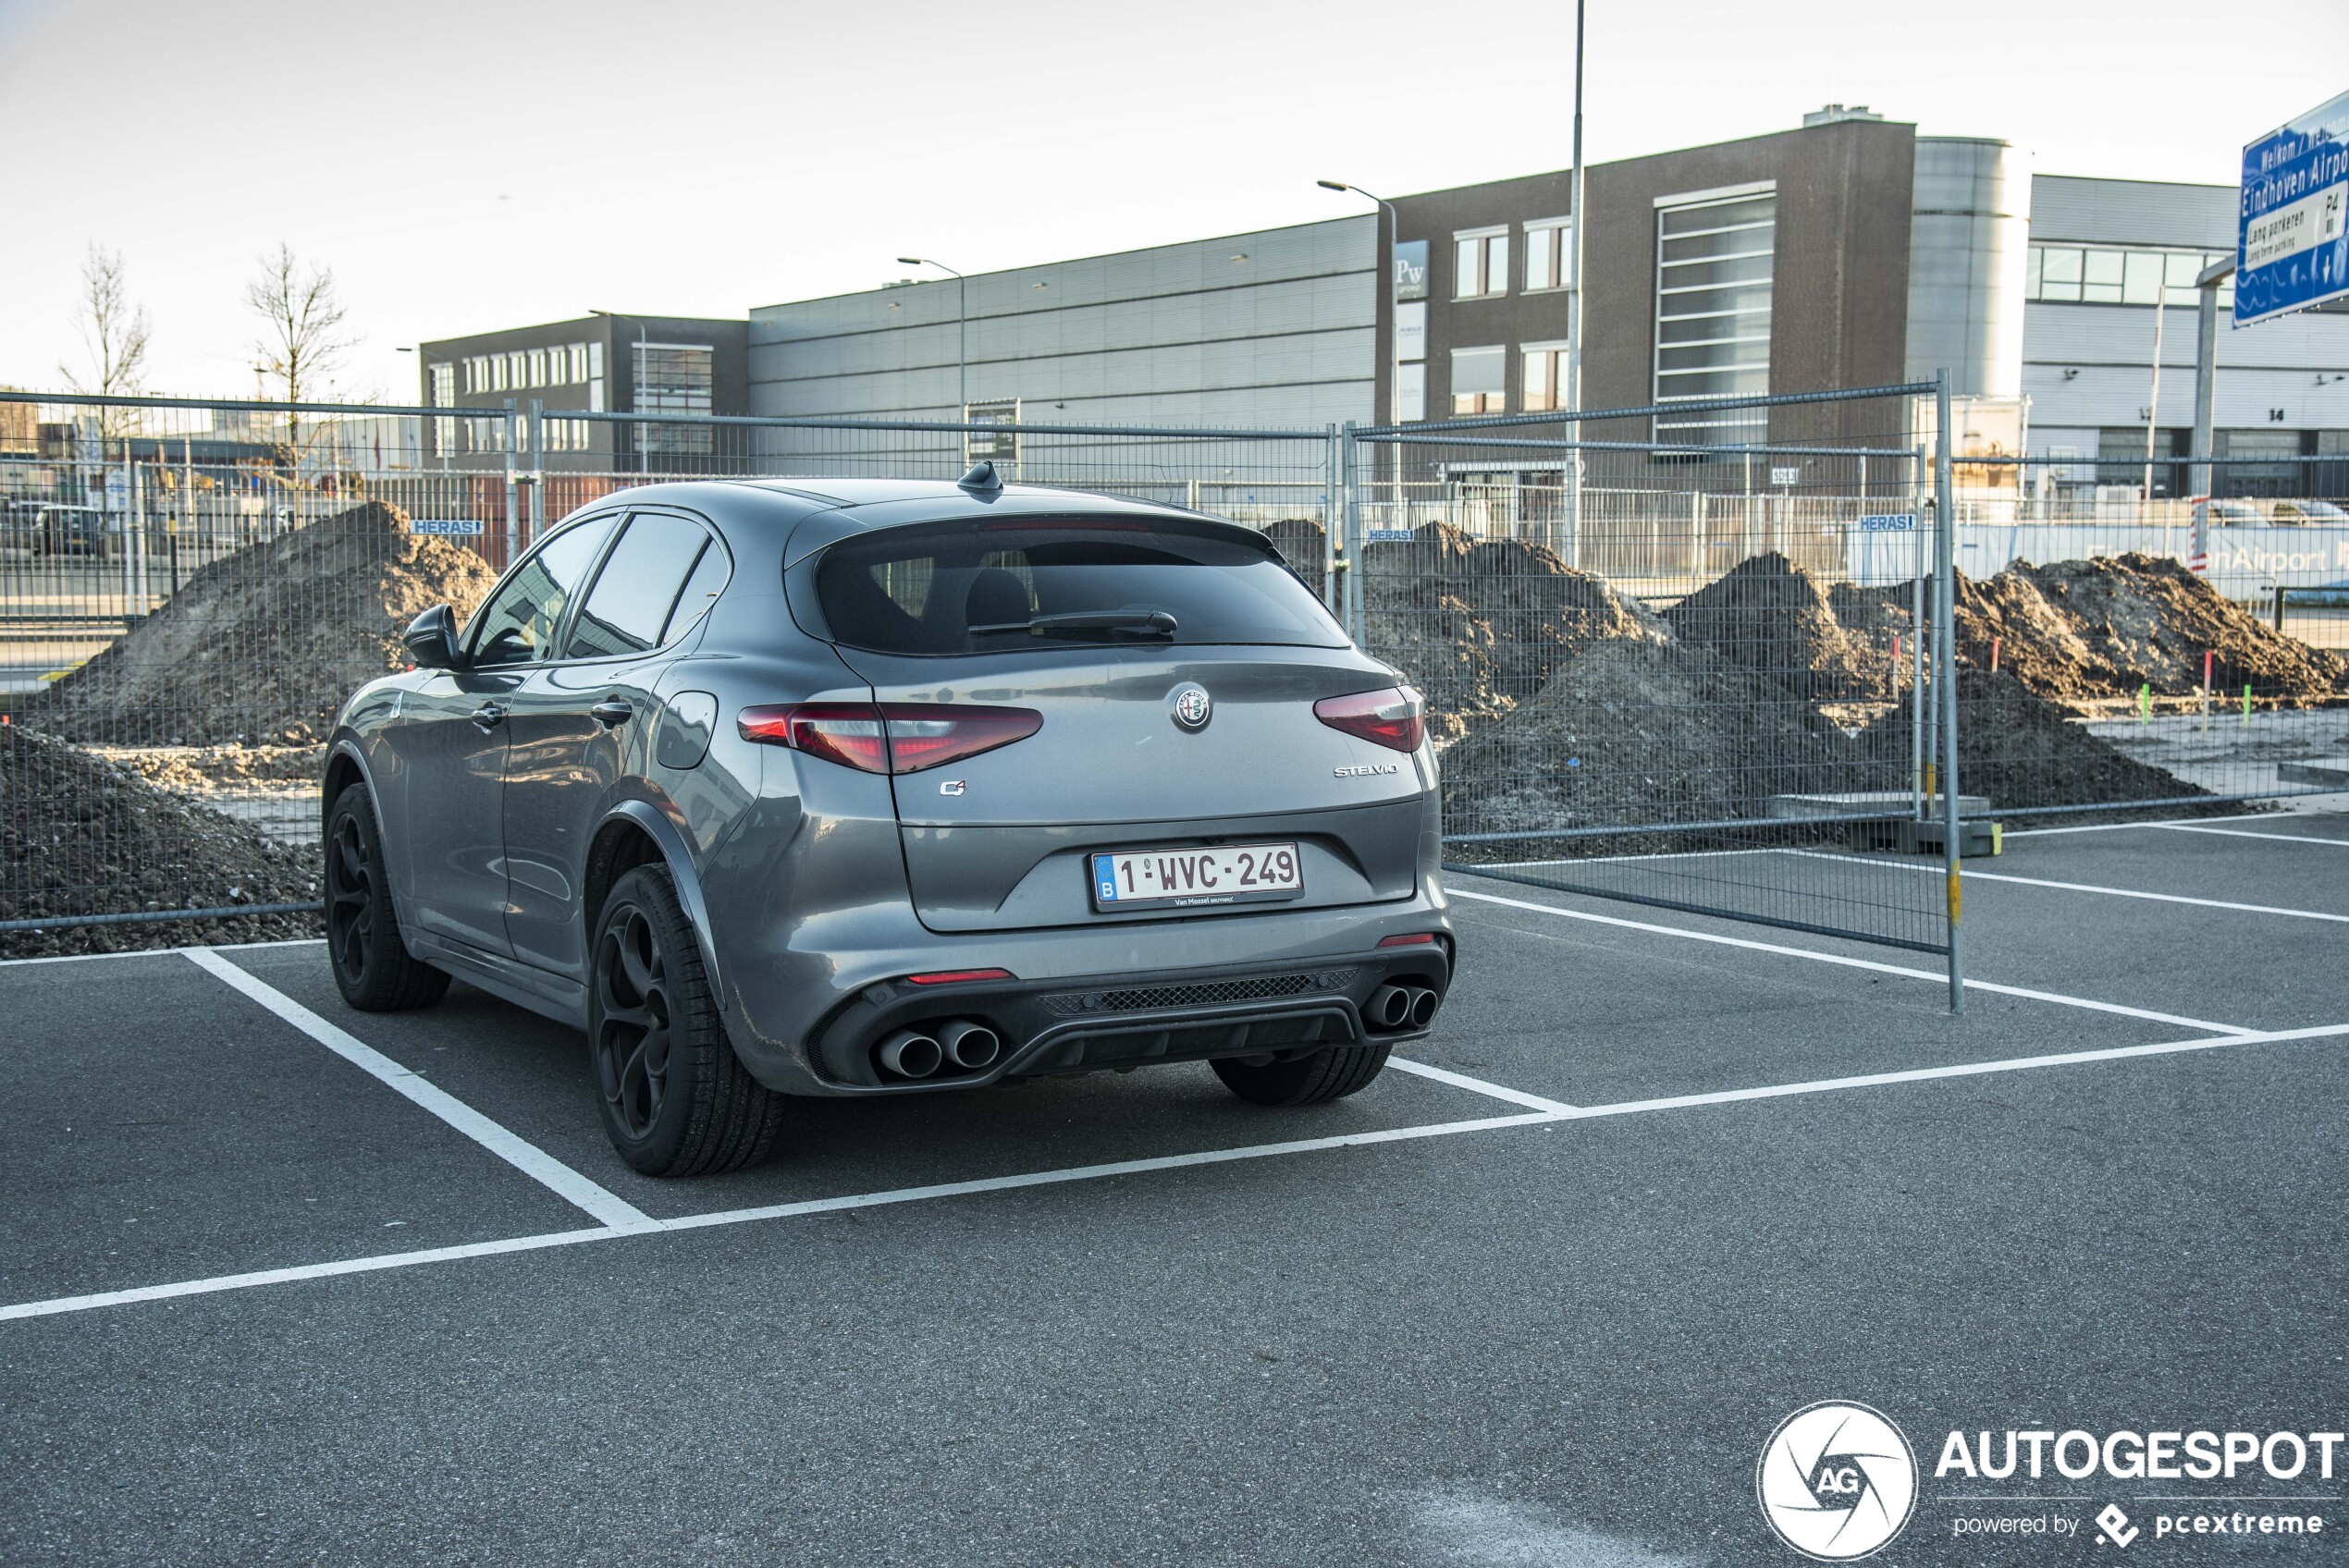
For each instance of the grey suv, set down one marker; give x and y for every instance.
(881, 788)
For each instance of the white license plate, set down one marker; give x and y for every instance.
(1228, 873)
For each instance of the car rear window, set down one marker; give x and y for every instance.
(935, 589)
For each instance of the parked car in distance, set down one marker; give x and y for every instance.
(2236, 514)
(2298, 513)
(859, 788)
(58, 529)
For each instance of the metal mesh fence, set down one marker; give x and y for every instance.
(2124, 645)
(188, 589)
(1696, 671)
(1655, 673)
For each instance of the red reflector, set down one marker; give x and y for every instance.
(888, 737)
(1415, 939)
(953, 976)
(1392, 717)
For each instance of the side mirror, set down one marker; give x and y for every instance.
(431, 640)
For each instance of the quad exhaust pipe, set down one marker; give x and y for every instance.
(1401, 1007)
(909, 1053)
(961, 1043)
(969, 1045)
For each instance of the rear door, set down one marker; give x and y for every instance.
(1149, 738)
(581, 723)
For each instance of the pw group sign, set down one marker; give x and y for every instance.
(2293, 238)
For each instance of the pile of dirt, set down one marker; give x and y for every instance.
(1481, 626)
(263, 645)
(81, 836)
(2086, 633)
(216, 769)
(2022, 750)
(1634, 730)
(1771, 617)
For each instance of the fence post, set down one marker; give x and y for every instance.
(1917, 790)
(1352, 548)
(537, 467)
(513, 521)
(1332, 511)
(1945, 675)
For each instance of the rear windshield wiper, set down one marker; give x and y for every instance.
(1140, 623)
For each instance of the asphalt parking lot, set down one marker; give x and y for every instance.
(286, 1283)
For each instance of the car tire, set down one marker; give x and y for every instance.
(676, 1099)
(373, 967)
(1329, 1075)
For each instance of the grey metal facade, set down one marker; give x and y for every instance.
(1272, 327)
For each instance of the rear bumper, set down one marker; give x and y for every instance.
(1271, 999)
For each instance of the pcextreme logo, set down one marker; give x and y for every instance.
(1836, 1481)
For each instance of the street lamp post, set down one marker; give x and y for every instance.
(1573, 399)
(963, 339)
(1393, 240)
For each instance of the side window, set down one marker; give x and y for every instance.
(701, 591)
(517, 626)
(629, 606)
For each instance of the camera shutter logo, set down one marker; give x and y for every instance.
(1836, 1481)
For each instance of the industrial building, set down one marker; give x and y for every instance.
(602, 363)
(1847, 251)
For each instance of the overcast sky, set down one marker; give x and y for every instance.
(465, 166)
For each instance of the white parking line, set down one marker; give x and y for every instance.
(1476, 1085)
(1936, 977)
(2083, 888)
(2246, 833)
(744, 1215)
(2125, 827)
(531, 1160)
(1956, 1069)
(218, 1283)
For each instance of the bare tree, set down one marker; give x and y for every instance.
(113, 339)
(301, 340)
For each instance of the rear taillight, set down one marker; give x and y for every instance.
(1392, 717)
(888, 737)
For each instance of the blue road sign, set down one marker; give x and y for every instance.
(2292, 244)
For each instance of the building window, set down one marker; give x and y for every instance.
(539, 367)
(577, 354)
(1480, 381)
(444, 383)
(673, 378)
(1546, 255)
(1542, 377)
(1480, 265)
(2108, 274)
(1713, 277)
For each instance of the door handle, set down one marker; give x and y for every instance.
(611, 715)
(488, 717)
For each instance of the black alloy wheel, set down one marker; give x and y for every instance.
(633, 1030)
(677, 1101)
(373, 967)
